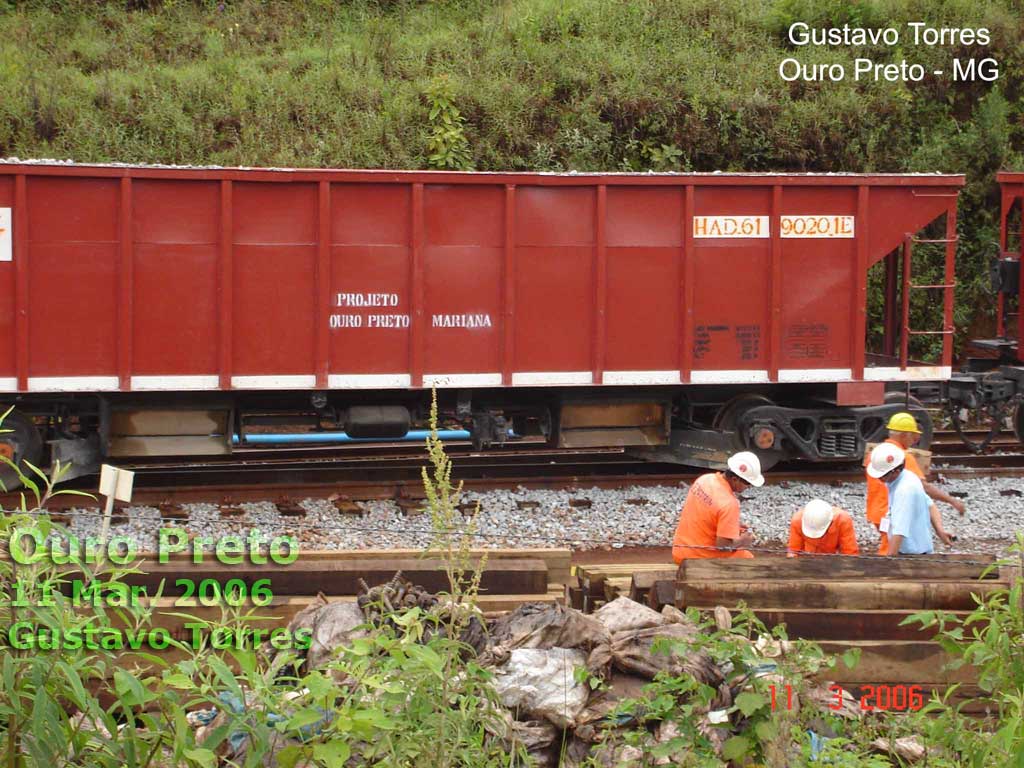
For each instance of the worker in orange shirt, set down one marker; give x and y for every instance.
(821, 529)
(709, 525)
(904, 433)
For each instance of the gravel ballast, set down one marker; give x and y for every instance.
(628, 517)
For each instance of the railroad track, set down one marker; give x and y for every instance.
(949, 440)
(378, 474)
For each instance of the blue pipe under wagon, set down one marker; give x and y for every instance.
(416, 435)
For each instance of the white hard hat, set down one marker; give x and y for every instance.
(817, 517)
(748, 466)
(884, 459)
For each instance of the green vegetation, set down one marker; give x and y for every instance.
(407, 693)
(545, 85)
(404, 695)
(771, 709)
(542, 85)
(410, 692)
(989, 638)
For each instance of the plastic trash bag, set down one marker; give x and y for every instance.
(536, 625)
(633, 652)
(624, 614)
(334, 625)
(542, 683)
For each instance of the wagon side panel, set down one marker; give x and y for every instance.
(275, 229)
(644, 257)
(73, 250)
(370, 285)
(732, 283)
(8, 300)
(818, 228)
(175, 278)
(463, 276)
(554, 285)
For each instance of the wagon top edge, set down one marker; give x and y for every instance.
(16, 166)
(1010, 177)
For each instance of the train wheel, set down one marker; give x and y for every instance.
(1018, 421)
(914, 407)
(729, 415)
(20, 441)
(728, 419)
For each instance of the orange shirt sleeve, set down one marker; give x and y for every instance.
(913, 466)
(796, 537)
(877, 497)
(728, 526)
(877, 501)
(847, 536)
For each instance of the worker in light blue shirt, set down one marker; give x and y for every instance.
(908, 522)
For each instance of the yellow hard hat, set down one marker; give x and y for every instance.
(903, 422)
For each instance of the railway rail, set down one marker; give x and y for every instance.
(394, 471)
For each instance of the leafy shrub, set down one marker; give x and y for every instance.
(989, 639)
(447, 145)
(761, 728)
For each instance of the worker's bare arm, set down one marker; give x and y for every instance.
(938, 494)
(744, 540)
(940, 531)
(894, 545)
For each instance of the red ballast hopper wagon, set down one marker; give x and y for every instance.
(161, 311)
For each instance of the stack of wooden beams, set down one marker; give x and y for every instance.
(849, 602)
(598, 584)
(510, 578)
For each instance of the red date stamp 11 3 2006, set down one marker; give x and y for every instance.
(873, 698)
